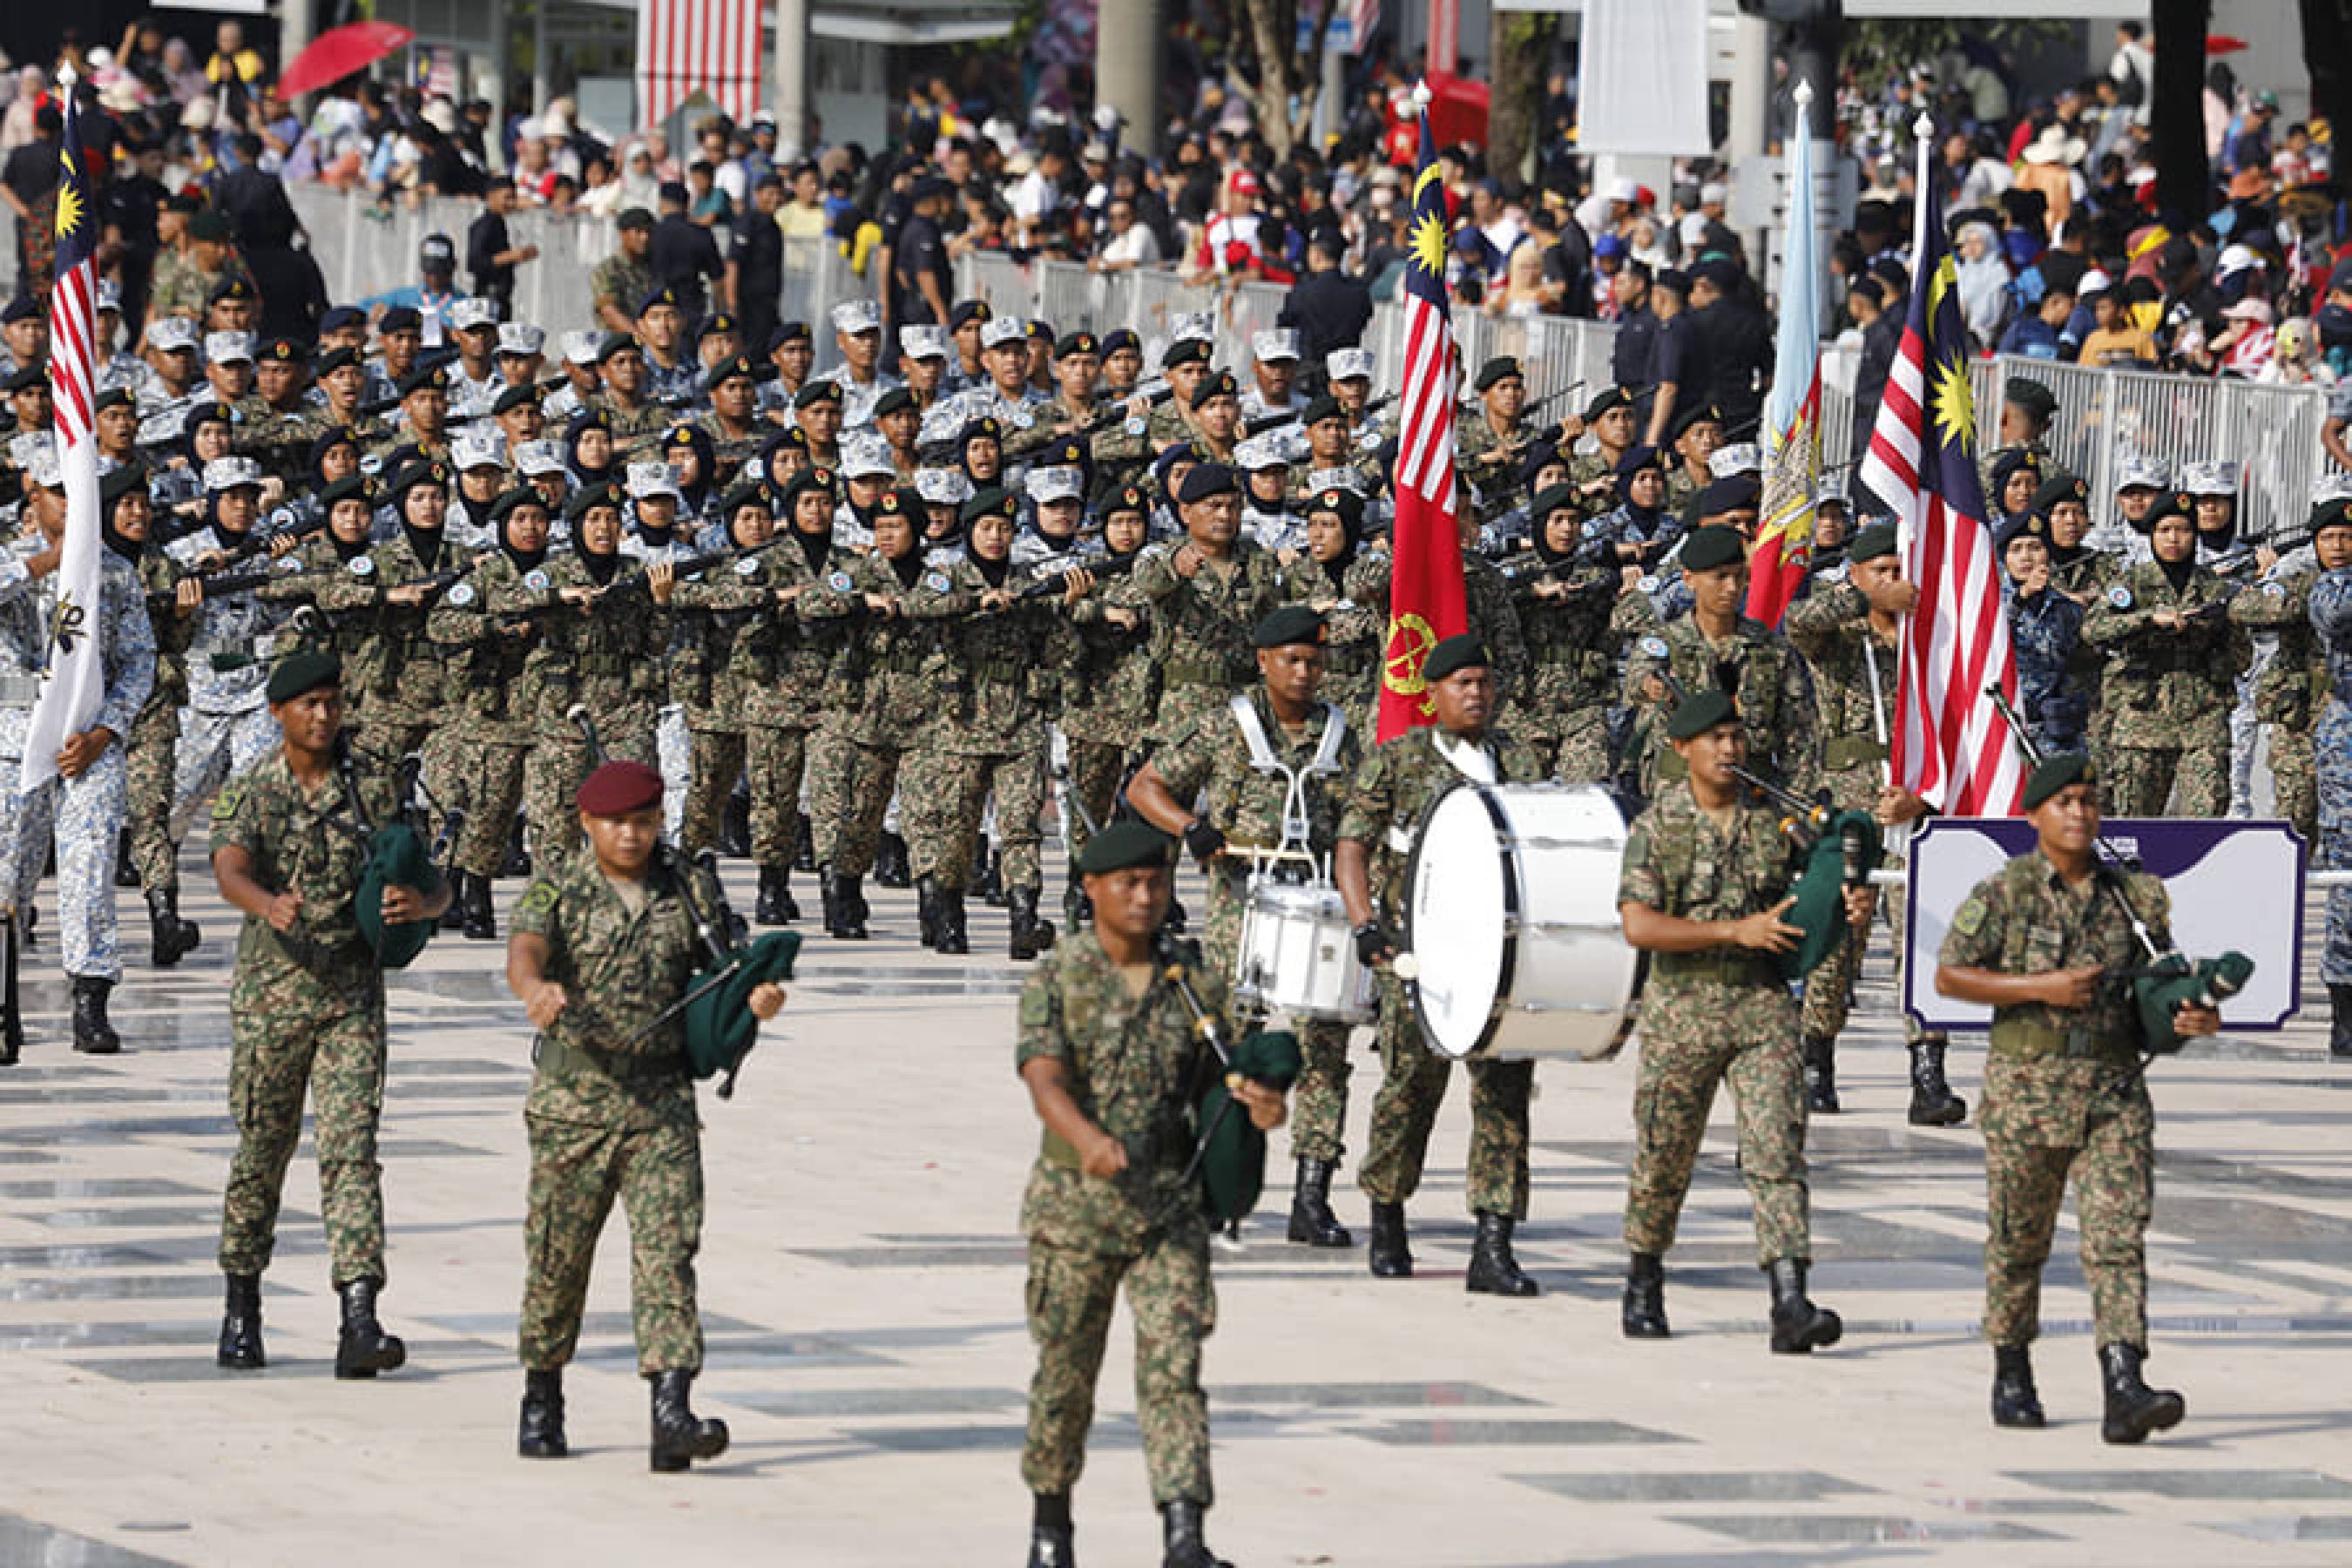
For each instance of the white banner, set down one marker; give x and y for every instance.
(1644, 87)
(2234, 886)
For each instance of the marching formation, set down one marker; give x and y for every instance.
(582, 628)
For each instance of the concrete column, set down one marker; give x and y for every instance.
(1751, 105)
(1127, 68)
(542, 86)
(296, 29)
(792, 80)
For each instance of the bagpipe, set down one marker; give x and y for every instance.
(717, 1006)
(397, 856)
(1840, 849)
(1229, 1161)
(2169, 979)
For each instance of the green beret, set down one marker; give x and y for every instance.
(1288, 626)
(1123, 844)
(515, 397)
(1872, 542)
(1608, 398)
(425, 375)
(2054, 775)
(582, 500)
(2178, 503)
(1555, 497)
(211, 226)
(817, 391)
(1708, 548)
(1693, 716)
(1690, 419)
(633, 217)
(2336, 513)
(1221, 385)
(1077, 343)
(1456, 653)
(615, 344)
(414, 474)
(994, 501)
(2059, 488)
(344, 358)
(1322, 406)
(112, 396)
(751, 492)
(350, 486)
(527, 495)
(121, 482)
(1344, 504)
(304, 670)
(2031, 396)
(1502, 367)
(1190, 351)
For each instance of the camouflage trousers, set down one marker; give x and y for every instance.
(673, 745)
(715, 763)
(495, 772)
(1696, 1034)
(1318, 1101)
(576, 1171)
(848, 801)
(442, 751)
(2332, 763)
(81, 819)
(2043, 1121)
(2135, 781)
(152, 748)
(776, 761)
(944, 793)
(551, 777)
(1580, 756)
(215, 748)
(1412, 1085)
(336, 1055)
(2294, 776)
(1096, 769)
(1174, 1304)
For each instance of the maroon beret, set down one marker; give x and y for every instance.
(618, 788)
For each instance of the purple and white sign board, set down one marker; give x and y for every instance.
(2234, 885)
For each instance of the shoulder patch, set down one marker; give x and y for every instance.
(747, 567)
(1970, 918)
(937, 582)
(541, 898)
(536, 579)
(2120, 598)
(2274, 590)
(1134, 426)
(1654, 648)
(1023, 419)
(1647, 585)
(1036, 1006)
(462, 594)
(224, 803)
(839, 582)
(362, 566)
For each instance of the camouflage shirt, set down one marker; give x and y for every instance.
(2292, 690)
(1136, 1067)
(884, 667)
(1830, 628)
(306, 842)
(1682, 862)
(620, 282)
(2025, 920)
(2167, 689)
(1209, 760)
(1762, 674)
(1493, 617)
(1201, 625)
(497, 698)
(1003, 673)
(1394, 789)
(1571, 653)
(619, 968)
(1109, 689)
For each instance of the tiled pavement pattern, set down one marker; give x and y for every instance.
(862, 1277)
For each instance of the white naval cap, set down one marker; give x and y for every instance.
(855, 316)
(1062, 483)
(869, 458)
(1832, 488)
(943, 487)
(520, 338)
(580, 348)
(1280, 343)
(537, 458)
(477, 449)
(923, 342)
(2140, 473)
(110, 295)
(231, 473)
(1351, 364)
(2216, 477)
(647, 480)
(470, 312)
(228, 348)
(1192, 326)
(170, 333)
(1258, 452)
(1740, 457)
(998, 331)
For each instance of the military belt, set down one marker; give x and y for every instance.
(1724, 968)
(227, 663)
(1852, 751)
(2030, 1039)
(1194, 672)
(557, 1056)
(1144, 1152)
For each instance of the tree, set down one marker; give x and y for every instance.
(1282, 72)
(2177, 107)
(1521, 45)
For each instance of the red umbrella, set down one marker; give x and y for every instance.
(2222, 44)
(337, 53)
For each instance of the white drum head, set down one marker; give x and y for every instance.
(1458, 924)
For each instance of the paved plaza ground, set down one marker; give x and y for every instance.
(862, 1288)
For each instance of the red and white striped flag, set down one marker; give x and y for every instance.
(1950, 747)
(73, 684)
(685, 46)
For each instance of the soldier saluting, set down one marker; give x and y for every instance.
(2064, 1093)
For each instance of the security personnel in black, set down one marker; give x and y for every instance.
(683, 253)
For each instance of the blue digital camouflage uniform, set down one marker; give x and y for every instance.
(2331, 744)
(2052, 688)
(228, 727)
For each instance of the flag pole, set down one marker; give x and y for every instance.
(1923, 131)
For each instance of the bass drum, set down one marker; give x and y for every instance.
(1514, 947)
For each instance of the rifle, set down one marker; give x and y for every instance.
(1055, 584)
(630, 583)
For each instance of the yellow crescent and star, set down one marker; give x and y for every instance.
(1428, 227)
(68, 196)
(1949, 398)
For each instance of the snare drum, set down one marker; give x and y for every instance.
(1298, 955)
(1514, 947)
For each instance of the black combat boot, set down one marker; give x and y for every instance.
(1933, 1103)
(891, 866)
(541, 1433)
(950, 925)
(775, 906)
(2133, 1409)
(240, 1335)
(1078, 909)
(1174, 920)
(1820, 1076)
(126, 871)
(804, 844)
(1494, 1271)
(679, 1436)
(93, 1036)
(1391, 1253)
(735, 827)
(927, 909)
(454, 917)
(1643, 1314)
(12, 1012)
(1029, 935)
(516, 860)
(843, 916)
(363, 1348)
(481, 916)
(1799, 1328)
(987, 882)
(1311, 1219)
(2015, 1402)
(1180, 1539)
(2339, 1023)
(1050, 1542)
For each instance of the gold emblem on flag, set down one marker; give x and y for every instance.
(1411, 638)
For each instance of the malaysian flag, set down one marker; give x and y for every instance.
(1950, 747)
(710, 46)
(74, 681)
(1425, 593)
(1363, 21)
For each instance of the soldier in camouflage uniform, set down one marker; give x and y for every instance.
(2027, 408)
(396, 672)
(1836, 628)
(2173, 663)
(701, 677)
(1615, 422)
(1353, 633)
(1206, 595)
(1110, 687)
(1000, 678)
(2045, 632)
(1493, 618)
(227, 726)
(2331, 746)
(1717, 647)
(1489, 443)
(1563, 610)
(623, 277)
(733, 424)
(625, 405)
(210, 261)
(1391, 795)
(601, 947)
(498, 697)
(1703, 887)
(2291, 693)
(306, 1010)
(1115, 1067)
(877, 700)
(1274, 745)
(1184, 366)
(2065, 1092)
(151, 746)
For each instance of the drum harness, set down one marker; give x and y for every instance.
(1294, 859)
